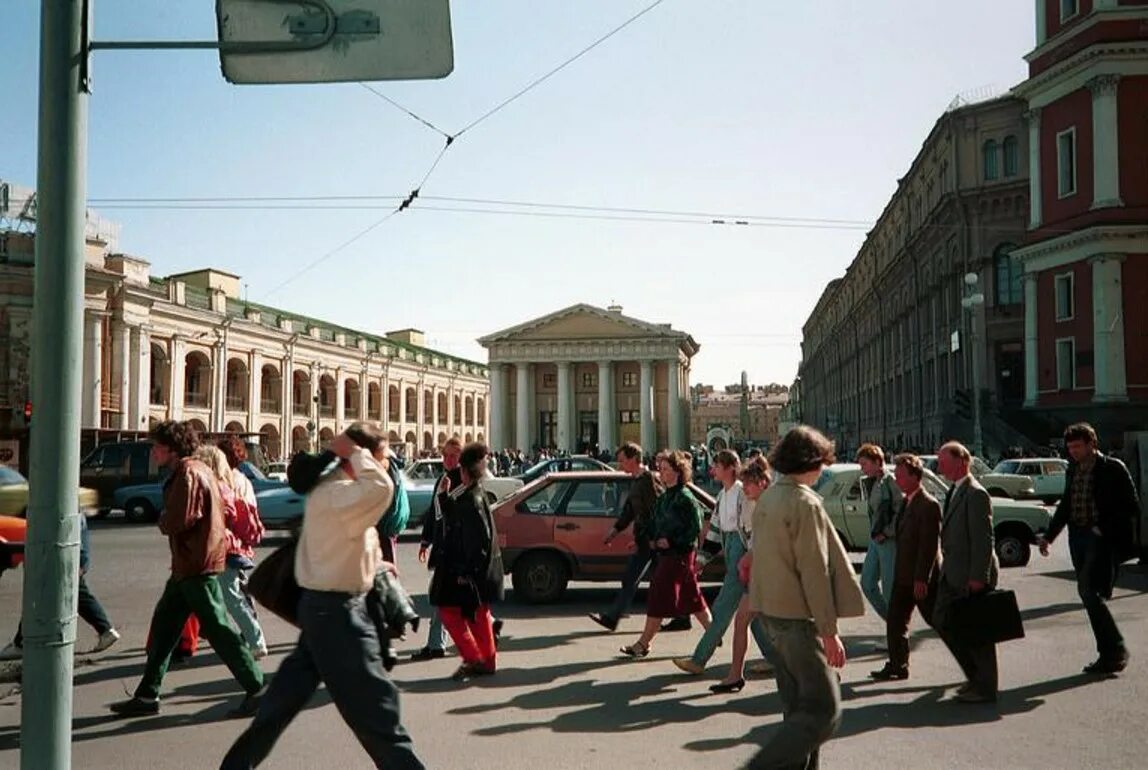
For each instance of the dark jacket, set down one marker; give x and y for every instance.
(469, 563)
(639, 507)
(677, 518)
(432, 520)
(193, 521)
(1117, 505)
(918, 540)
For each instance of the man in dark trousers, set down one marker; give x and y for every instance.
(194, 524)
(1099, 507)
(638, 510)
(968, 566)
(915, 573)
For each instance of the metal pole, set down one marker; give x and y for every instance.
(974, 351)
(52, 551)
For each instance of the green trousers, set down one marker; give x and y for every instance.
(182, 597)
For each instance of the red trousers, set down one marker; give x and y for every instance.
(188, 639)
(474, 639)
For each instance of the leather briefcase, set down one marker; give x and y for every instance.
(989, 617)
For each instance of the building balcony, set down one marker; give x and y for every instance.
(326, 410)
(351, 413)
(111, 402)
(236, 403)
(301, 410)
(197, 400)
(269, 406)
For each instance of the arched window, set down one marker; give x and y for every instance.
(1011, 161)
(1008, 271)
(990, 159)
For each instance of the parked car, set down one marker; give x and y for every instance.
(1048, 475)
(14, 494)
(277, 471)
(280, 507)
(562, 465)
(13, 531)
(1016, 523)
(998, 484)
(552, 532)
(128, 463)
(421, 477)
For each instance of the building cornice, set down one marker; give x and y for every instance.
(1126, 13)
(1083, 244)
(1072, 74)
(584, 351)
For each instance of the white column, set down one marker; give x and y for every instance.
(1041, 21)
(496, 420)
(139, 396)
(1111, 383)
(340, 400)
(254, 390)
(565, 405)
(1035, 208)
(176, 386)
(524, 388)
(364, 395)
(122, 370)
(386, 399)
(450, 393)
(93, 372)
(287, 408)
(607, 416)
(1105, 142)
(674, 404)
(646, 408)
(421, 412)
(1030, 340)
(312, 405)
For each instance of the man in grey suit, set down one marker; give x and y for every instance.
(969, 566)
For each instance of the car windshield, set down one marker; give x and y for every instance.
(1007, 466)
(251, 471)
(9, 477)
(823, 480)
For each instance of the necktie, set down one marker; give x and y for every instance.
(949, 496)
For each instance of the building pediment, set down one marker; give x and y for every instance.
(584, 322)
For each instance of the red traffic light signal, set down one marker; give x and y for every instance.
(27, 410)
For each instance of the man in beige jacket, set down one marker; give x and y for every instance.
(801, 582)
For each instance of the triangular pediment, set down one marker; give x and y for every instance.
(582, 322)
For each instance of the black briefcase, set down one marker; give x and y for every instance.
(989, 617)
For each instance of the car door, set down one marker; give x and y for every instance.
(104, 471)
(856, 512)
(585, 517)
(1050, 483)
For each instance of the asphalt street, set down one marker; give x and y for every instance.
(564, 699)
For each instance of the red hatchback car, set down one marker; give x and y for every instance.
(552, 532)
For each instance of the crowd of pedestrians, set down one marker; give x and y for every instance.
(788, 582)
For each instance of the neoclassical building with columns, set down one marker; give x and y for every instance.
(587, 377)
(189, 347)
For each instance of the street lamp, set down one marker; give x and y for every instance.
(972, 300)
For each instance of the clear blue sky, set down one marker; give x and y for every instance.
(760, 107)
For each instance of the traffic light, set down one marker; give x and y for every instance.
(963, 404)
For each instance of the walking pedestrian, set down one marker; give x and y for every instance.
(431, 541)
(915, 576)
(1099, 508)
(883, 502)
(88, 606)
(968, 566)
(469, 574)
(673, 537)
(802, 582)
(335, 565)
(733, 508)
(638, 512)
(193, 520)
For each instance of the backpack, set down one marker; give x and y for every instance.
(398, 513)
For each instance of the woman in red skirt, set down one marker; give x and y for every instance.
(673, 537)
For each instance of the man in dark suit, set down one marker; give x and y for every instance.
(1099, 507)
(915, 573)
(969, 566)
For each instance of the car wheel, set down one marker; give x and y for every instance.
(540, 578)
(139, 511)
(1013, 548)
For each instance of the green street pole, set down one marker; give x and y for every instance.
(52, 549)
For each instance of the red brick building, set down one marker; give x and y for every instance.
(1086, 255)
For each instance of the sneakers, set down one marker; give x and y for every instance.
(259, 651)
(428, 653)
(136, 707)
(12, 651)
(106, 640)
(249, 705)
(689, 666)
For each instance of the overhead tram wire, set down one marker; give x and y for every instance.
(633, 218)
(405, 110)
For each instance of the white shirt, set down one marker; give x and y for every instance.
(243, 488)
(729, 502)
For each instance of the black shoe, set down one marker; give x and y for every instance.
(1108, 665)
(975, 696)
(426, 653)
(496, 627)
(724, 688)
(466, 672)
(890, 672)
(605, 621)
(677, 624)
(136, 707)
(249, 705)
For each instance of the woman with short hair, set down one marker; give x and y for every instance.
(674, 532)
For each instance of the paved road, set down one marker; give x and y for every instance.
(562, 698)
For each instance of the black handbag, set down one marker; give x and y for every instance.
(988, 617)
(273, 584)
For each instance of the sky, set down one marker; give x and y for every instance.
(754, 108)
